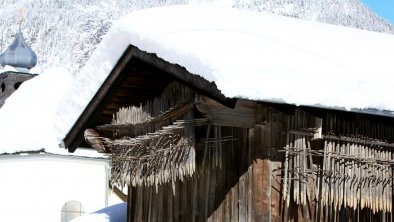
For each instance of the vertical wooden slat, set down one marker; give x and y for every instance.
(207, 190)
(170, 202)
(194, 202)
(243, 166)
(287, 176)
(212, 191)
(249, 193)
(160, 216)
(184, 200)
(131, 204)
(249, 179)
(265, 144)
(140, 203)
(164, 194)
(242, 190)
(227, 207)
(234, 203)
(201, 198)
(219, 212)
(278, 123)
(176, 203)
(257, 172)
(149, 209)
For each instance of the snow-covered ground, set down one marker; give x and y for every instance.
(259, 56)
(114, 213)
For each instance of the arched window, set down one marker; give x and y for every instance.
(71, 210)
(16, 86)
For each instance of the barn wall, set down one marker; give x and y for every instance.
(211, 193)
(368, 137)
(249, 185)
(245, 188)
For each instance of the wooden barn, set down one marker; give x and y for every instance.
(187, 152)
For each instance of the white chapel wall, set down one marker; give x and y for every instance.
(35, 188)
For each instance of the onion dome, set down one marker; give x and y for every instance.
(19, 54)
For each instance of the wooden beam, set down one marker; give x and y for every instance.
(119, 193)
(261, 172)
(173, 113)
(75, 135)
(243, 115)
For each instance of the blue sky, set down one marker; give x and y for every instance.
(384, 8)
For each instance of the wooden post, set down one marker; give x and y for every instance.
(261, 188)
(278, 123)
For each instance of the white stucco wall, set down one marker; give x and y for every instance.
(35, 187)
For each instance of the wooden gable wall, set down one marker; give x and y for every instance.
(262, 161)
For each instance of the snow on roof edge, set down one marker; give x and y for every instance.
(312, 51)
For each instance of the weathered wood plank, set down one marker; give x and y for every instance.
(278, 123)
(194, 201)
(240, 116)
(160, 206)
(265, 144)
(186, 212)
(130, 204)
(249, 195)
(176, 207)
(243, 201)
(257, 172)
(170, 205)
(140, 203)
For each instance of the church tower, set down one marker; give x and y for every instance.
(17, 60)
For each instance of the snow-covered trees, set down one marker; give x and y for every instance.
(350, 13)
(65, 32)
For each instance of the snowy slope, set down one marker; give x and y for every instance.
(64, 33)
(258, 56)
(350, 13)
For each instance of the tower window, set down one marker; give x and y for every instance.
(2, 87)
(71, 210)
(16, 86)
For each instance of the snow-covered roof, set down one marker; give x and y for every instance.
(27, 119)
(258, 56)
